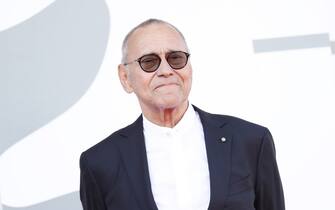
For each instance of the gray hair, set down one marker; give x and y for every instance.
(141, 25)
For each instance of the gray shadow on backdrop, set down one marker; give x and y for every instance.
(292, 43)
(66, 202)
(47, 63)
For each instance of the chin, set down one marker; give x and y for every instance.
(170, 103)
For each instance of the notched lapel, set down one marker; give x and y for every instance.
(218, 138)
(133, 152)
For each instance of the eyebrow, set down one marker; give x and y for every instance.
(168, 51)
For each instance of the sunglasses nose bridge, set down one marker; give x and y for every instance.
(164, 67)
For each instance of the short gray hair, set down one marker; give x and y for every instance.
(148, 22)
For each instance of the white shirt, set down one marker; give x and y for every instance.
(178, 166)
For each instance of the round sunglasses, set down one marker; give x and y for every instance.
(151, 62)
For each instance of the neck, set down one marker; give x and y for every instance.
(166, 117)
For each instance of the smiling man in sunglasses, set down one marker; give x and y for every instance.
(176, 156)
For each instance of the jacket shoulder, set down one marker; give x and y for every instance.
(236, 124)
(106, 151)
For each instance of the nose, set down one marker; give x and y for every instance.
(164, 69)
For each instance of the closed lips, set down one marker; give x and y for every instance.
(166, 84)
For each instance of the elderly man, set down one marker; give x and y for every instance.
(176, 156)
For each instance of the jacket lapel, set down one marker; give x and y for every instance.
(218, 138)
(133, 152)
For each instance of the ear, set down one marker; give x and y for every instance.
(124, 78)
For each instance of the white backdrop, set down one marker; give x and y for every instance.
(291, 92)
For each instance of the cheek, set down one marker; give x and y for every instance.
(134, 79)
(188, 80)
(140, 82)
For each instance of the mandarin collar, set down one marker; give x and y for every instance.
(186, 122)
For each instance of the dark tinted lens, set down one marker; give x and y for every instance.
(177, 60)
(150, 63)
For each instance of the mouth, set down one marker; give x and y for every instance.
(166, 85)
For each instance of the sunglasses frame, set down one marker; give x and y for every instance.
(160, 60)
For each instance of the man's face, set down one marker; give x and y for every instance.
(165, 88)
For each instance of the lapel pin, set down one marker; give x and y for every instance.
(223, 139)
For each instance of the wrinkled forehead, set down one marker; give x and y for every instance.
(154, 38)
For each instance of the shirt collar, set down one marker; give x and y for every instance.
(186, 122)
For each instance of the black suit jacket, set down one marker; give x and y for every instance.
(243, 169)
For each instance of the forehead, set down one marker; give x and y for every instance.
(155, 38)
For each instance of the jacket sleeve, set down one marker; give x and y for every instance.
(269, 191)
(90, 194)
